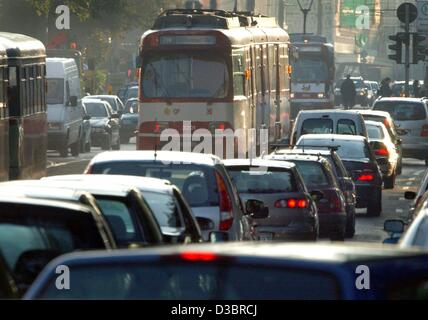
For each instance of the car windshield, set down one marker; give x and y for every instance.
(317, 126)
(374, 132)
(402, 111)
(26, 229)
(313, 173)
(111, 101)
(195, 281)
(255, 181)
(350, 150)
(55, 91)
(165, 208)
(96, 110)
(185, 75)
(197, 183)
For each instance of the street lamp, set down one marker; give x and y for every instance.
(305, 7)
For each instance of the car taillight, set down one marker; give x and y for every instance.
(226, 208)
(424, 132)
(198, 256)
(291, 203)
(366, 176)
(382, 152)
(336, 204)
(157, 128)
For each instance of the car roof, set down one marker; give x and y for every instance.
(316, 253)
(158, 156)
(317, 113)
(93, 188)
(402, 99)
(23, 200)
(333, 137)
(375, 123)
(94, 100)
(142, 183)
(375, 113)
(303, 150)
(101, 96)
(259, 163)
(291, 157)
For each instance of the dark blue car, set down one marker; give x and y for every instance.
(241, 271)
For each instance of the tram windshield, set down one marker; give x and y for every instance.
(185, 75)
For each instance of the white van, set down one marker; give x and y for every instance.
(63, 98)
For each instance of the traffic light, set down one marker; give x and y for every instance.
(397, 47)
(419, 50)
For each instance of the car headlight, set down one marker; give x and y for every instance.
(362, 93)
(320, 95)
(292, 95)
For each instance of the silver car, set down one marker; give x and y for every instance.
(411, 119)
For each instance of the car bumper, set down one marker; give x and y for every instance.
(56, 140)
(332, 222)
(418, 151)
(294, 231)
(99, 138)
(128, 130)
(364, 194)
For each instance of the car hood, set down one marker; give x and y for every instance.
(98, 122)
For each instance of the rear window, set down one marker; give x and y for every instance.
(164, 208)
(25, 229)
(313, 174)
(402, 111)
(375, 132)
(350, 150)
(317, 126)
(196, 281)
(272, 181)
(197, 183)
(346, 126)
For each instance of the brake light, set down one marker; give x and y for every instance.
(221, 126)
(386, 123)
(424, 132)
(198, 256)
(226, 208)
(336, 204)
(291, 203)
(157, 128)
(366, 177)
(382, 152)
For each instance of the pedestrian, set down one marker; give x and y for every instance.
(385, 88)
(416, 89)
(348, 92)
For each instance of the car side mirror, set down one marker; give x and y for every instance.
(87, 117)
(219, 236)
(317, 195)
(73, 101)
(394, 226)
(410, 195)
(256, 209)
(205, 224)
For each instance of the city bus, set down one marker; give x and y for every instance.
(313, 72)
(24, 106)
(214, 71)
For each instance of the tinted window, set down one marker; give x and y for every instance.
(317, 126)
(313, 174)
(272, 181)
(346, 126)
(96, 110)
(55, 91)
(403, 111)
(194, 282)
(131, 106)
(164, 208)
(375, 132)
(197, 183)
(120, 219)
(347, 149)
(421, 238)
(27, 228)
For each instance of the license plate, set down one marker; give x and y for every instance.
(265, 236)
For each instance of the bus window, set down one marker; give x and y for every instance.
(239, 74)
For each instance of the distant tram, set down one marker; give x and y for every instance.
(217, 69)
(23, 117)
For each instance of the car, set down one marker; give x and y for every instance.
(85, 142)
(386, 119)
(385, 152)
(34, 231)
(131, 92)
(346, 122)
(293, 213)
(398, 88)
(418, 198)
(202, 179)
(8, 288)
(411, 118)
(346, 184)
(104, 123)
(129, 120)
(360, 162)
(318, 177)
(131, 221)
(242, 271)
(114, 101)
(372, 88)
(171, 210)
(122, 93)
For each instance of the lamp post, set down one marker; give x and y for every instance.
(305, 10)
